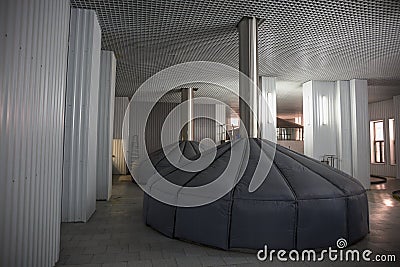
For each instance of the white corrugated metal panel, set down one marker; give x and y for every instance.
(220, 123)
(204, 124)
(343, 126)
(118, 160)
(79, 181)
(120, 105)
(33, 62)
(360, 131)
(105, 125)
(383, 110)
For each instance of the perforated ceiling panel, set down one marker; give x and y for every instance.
(298, 41)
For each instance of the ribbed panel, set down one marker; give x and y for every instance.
(267, 110)
(105, 125)
(118, 160)
(220, 124)
(319, 138)
(360, 131)
(383, 110)
(343, 126)
(120, 105)
(33, 67)
(203, 127)
(80, 147)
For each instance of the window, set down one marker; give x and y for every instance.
(378, 142)
(392, 142)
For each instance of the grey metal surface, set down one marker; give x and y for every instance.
(248, 83)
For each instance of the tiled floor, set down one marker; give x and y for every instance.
(116, 236)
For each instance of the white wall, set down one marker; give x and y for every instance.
(81, 117)
(105, 125)
(118, 161)
(33, 67)
(319, 138)
(384, 110)
(267, 110)
(344, 130)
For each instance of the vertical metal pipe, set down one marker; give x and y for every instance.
(187, 114)
(248, 65)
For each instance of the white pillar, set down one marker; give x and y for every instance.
(343, 126)
(360, 131)
(187, 133)
(267, 110)
(248, 83)
(80, 145)
(105, 125)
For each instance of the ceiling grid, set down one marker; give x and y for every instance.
(298, 41)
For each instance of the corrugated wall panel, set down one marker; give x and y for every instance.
(120, 105)
(383, 110)
(118, 161)
(79, 180)
(33, 66)
(204, 127)
(220, 123)
(105, 125)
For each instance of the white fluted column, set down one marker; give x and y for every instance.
(360, 131)
(80, 145)
(343, 126)
(105, 125)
